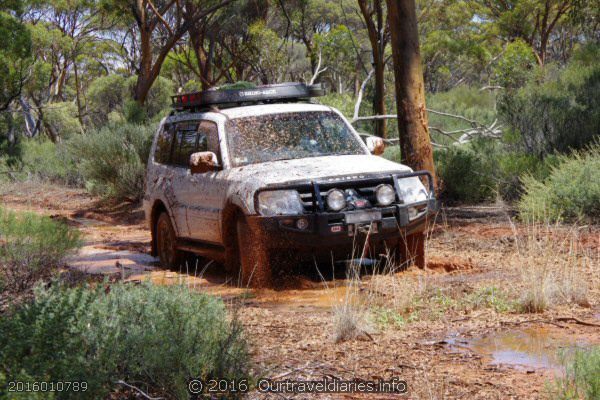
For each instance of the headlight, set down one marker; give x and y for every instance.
(411, 190)
(385, 195)
(336, 200)
(280, 202)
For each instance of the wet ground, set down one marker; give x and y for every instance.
(442, 349)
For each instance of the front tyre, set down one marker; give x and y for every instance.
(166, 242)
(254, 258)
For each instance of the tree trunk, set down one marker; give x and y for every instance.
(78, 95)
(144, 79)
(375, 30)
(415, 143)
(379, 98)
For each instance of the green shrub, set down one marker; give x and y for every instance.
(572, 191)
(464, 175)
(31, 248)
(112, 160)
(559, 114)
(582, 376)
(48, 161)
(154, 337)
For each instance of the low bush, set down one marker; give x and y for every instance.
(582, 376)
(153, 337)
(571, 191)
(47, 161)
(31, 248)
(113, 159)
(464, 175)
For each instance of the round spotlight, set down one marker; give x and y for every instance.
(336, 200)
(385, 195)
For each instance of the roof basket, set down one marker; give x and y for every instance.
(283, 92)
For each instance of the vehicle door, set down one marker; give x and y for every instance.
(185, 143)
(165, 177)
(206, 191)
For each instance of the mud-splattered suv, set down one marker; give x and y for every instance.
(248, 177)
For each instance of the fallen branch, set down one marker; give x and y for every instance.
(140, 391)
(494, 131)
(577, 321)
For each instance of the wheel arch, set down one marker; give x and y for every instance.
(157, 208)
(230, 214)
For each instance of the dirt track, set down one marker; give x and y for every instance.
(441, 350)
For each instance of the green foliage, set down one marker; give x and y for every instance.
(516, 65)
(111, 96)
(15, 52)
(156, 337)
(158, 101)
(572, 191)
(112, 159)
(237, 85)
(105, 95)
(489, 297)
(63, 119)
(582, 376)
(466, 101)
(50, 162)
(464, 175)
(31, 248)
(343, 102)
(453, 44)
(561, 113)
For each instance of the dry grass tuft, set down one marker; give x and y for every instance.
(351, 318)
(552, 265)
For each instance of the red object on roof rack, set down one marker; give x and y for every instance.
(259, 94)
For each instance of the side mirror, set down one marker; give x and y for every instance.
(375, 145)
(203, 161)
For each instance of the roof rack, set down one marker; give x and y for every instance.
(283, 92)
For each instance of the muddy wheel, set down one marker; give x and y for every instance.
(166, 240)
(411, 250)
(254, 260)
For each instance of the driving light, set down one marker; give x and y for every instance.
(385, 195)
(336, 200)
(280, 202)
(302, 224)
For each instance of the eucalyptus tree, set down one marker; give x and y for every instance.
(160, 25)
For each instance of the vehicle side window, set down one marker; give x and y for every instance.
(163, 146)
(209, 131)
(185, 142)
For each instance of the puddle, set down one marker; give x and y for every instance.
(101, 261)
(319, 298)
(530, 348)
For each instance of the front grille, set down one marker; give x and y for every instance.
(364, 187)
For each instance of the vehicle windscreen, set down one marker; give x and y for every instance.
(288, 136)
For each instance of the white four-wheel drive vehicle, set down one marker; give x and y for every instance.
(254, 176)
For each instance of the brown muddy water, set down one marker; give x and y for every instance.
(527, 348)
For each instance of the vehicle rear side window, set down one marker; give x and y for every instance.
(186, 142)
(163, 146)
(177, 142)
